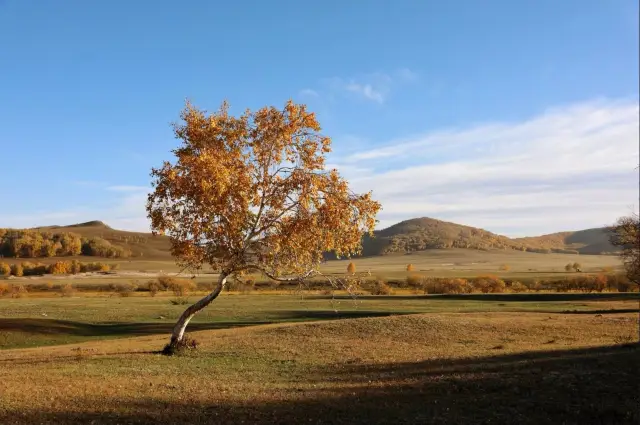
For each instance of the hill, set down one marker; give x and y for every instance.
(139, 244)
(419, 234)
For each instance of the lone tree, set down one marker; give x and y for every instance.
(626, 235)
(251, 194)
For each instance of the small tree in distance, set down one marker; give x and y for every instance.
(351, 268)
(568, 267)
(410, 267)
(625, 234)
(577, 267)
(251, 194)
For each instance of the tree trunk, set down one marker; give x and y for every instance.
(183, 321)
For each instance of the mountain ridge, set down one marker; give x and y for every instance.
(405, 237)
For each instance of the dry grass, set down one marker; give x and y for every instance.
(444, 368)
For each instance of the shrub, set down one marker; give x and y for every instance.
(75, 267)
(518, 287)
(577, 267)
(153, 287)
(380, 287)
(114, 267)
(489, 284)
(19, 291)
(60, 267)
(16, 270)
(414, 281)
(409, 267)
(67, 290)
(5, 269)
(568, 267)
(5, 288)
(351, 268)
(126, 289)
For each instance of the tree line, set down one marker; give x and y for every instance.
(36, 244)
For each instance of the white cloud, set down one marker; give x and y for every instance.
(375, 87)
(569, 168)
(308, 92)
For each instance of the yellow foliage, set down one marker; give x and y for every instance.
(260, 198)
(351, 268)
(5, 269)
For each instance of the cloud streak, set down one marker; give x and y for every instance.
(569, 168)
(374, 87)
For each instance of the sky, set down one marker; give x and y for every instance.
(517, 117)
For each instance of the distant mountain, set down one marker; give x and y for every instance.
(427, 233)
(408, 236)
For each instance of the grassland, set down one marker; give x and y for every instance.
(276, 356)
(470, 367)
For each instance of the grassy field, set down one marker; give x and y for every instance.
(442, 367)
(281, 357)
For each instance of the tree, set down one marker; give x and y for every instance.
(626, 235)
(568, 267)
(409, 267)
(251, 194)
(5, 269)
(577, 267)
(351, 268)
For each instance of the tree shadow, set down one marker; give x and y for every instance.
(595, 386)
(82, 329)
(534, 297)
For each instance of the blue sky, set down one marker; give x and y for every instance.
(518, 117)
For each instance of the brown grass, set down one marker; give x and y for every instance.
(408, 369)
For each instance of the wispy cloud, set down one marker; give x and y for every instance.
(568, 168)
(308, 92)
(375, 87)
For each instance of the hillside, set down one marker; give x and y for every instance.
(426, 233)
(93, 239)
(140, 244)
(408, 236)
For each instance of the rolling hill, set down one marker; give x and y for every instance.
(408, 236)
(419, 234)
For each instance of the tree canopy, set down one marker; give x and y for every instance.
(626, 235)
(252, 193)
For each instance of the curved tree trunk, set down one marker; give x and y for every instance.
(183, 321)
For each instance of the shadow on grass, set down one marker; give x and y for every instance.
(81, 329)
(71, 328)
(594, 386)
(615, 296)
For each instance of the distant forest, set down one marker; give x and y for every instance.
(36, 244)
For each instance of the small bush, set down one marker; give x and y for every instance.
(414, 281)
(409, 267)
(60, 267)
(489, 284)
(380, 287)
(351, 268)
(67, 290)
(75, 267)
(153, 287)
(16, 270)
(518, 287)
(126, 289)
(19, 291)
(5, 269)
(5, 289)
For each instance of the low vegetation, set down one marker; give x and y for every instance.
(72, 267)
